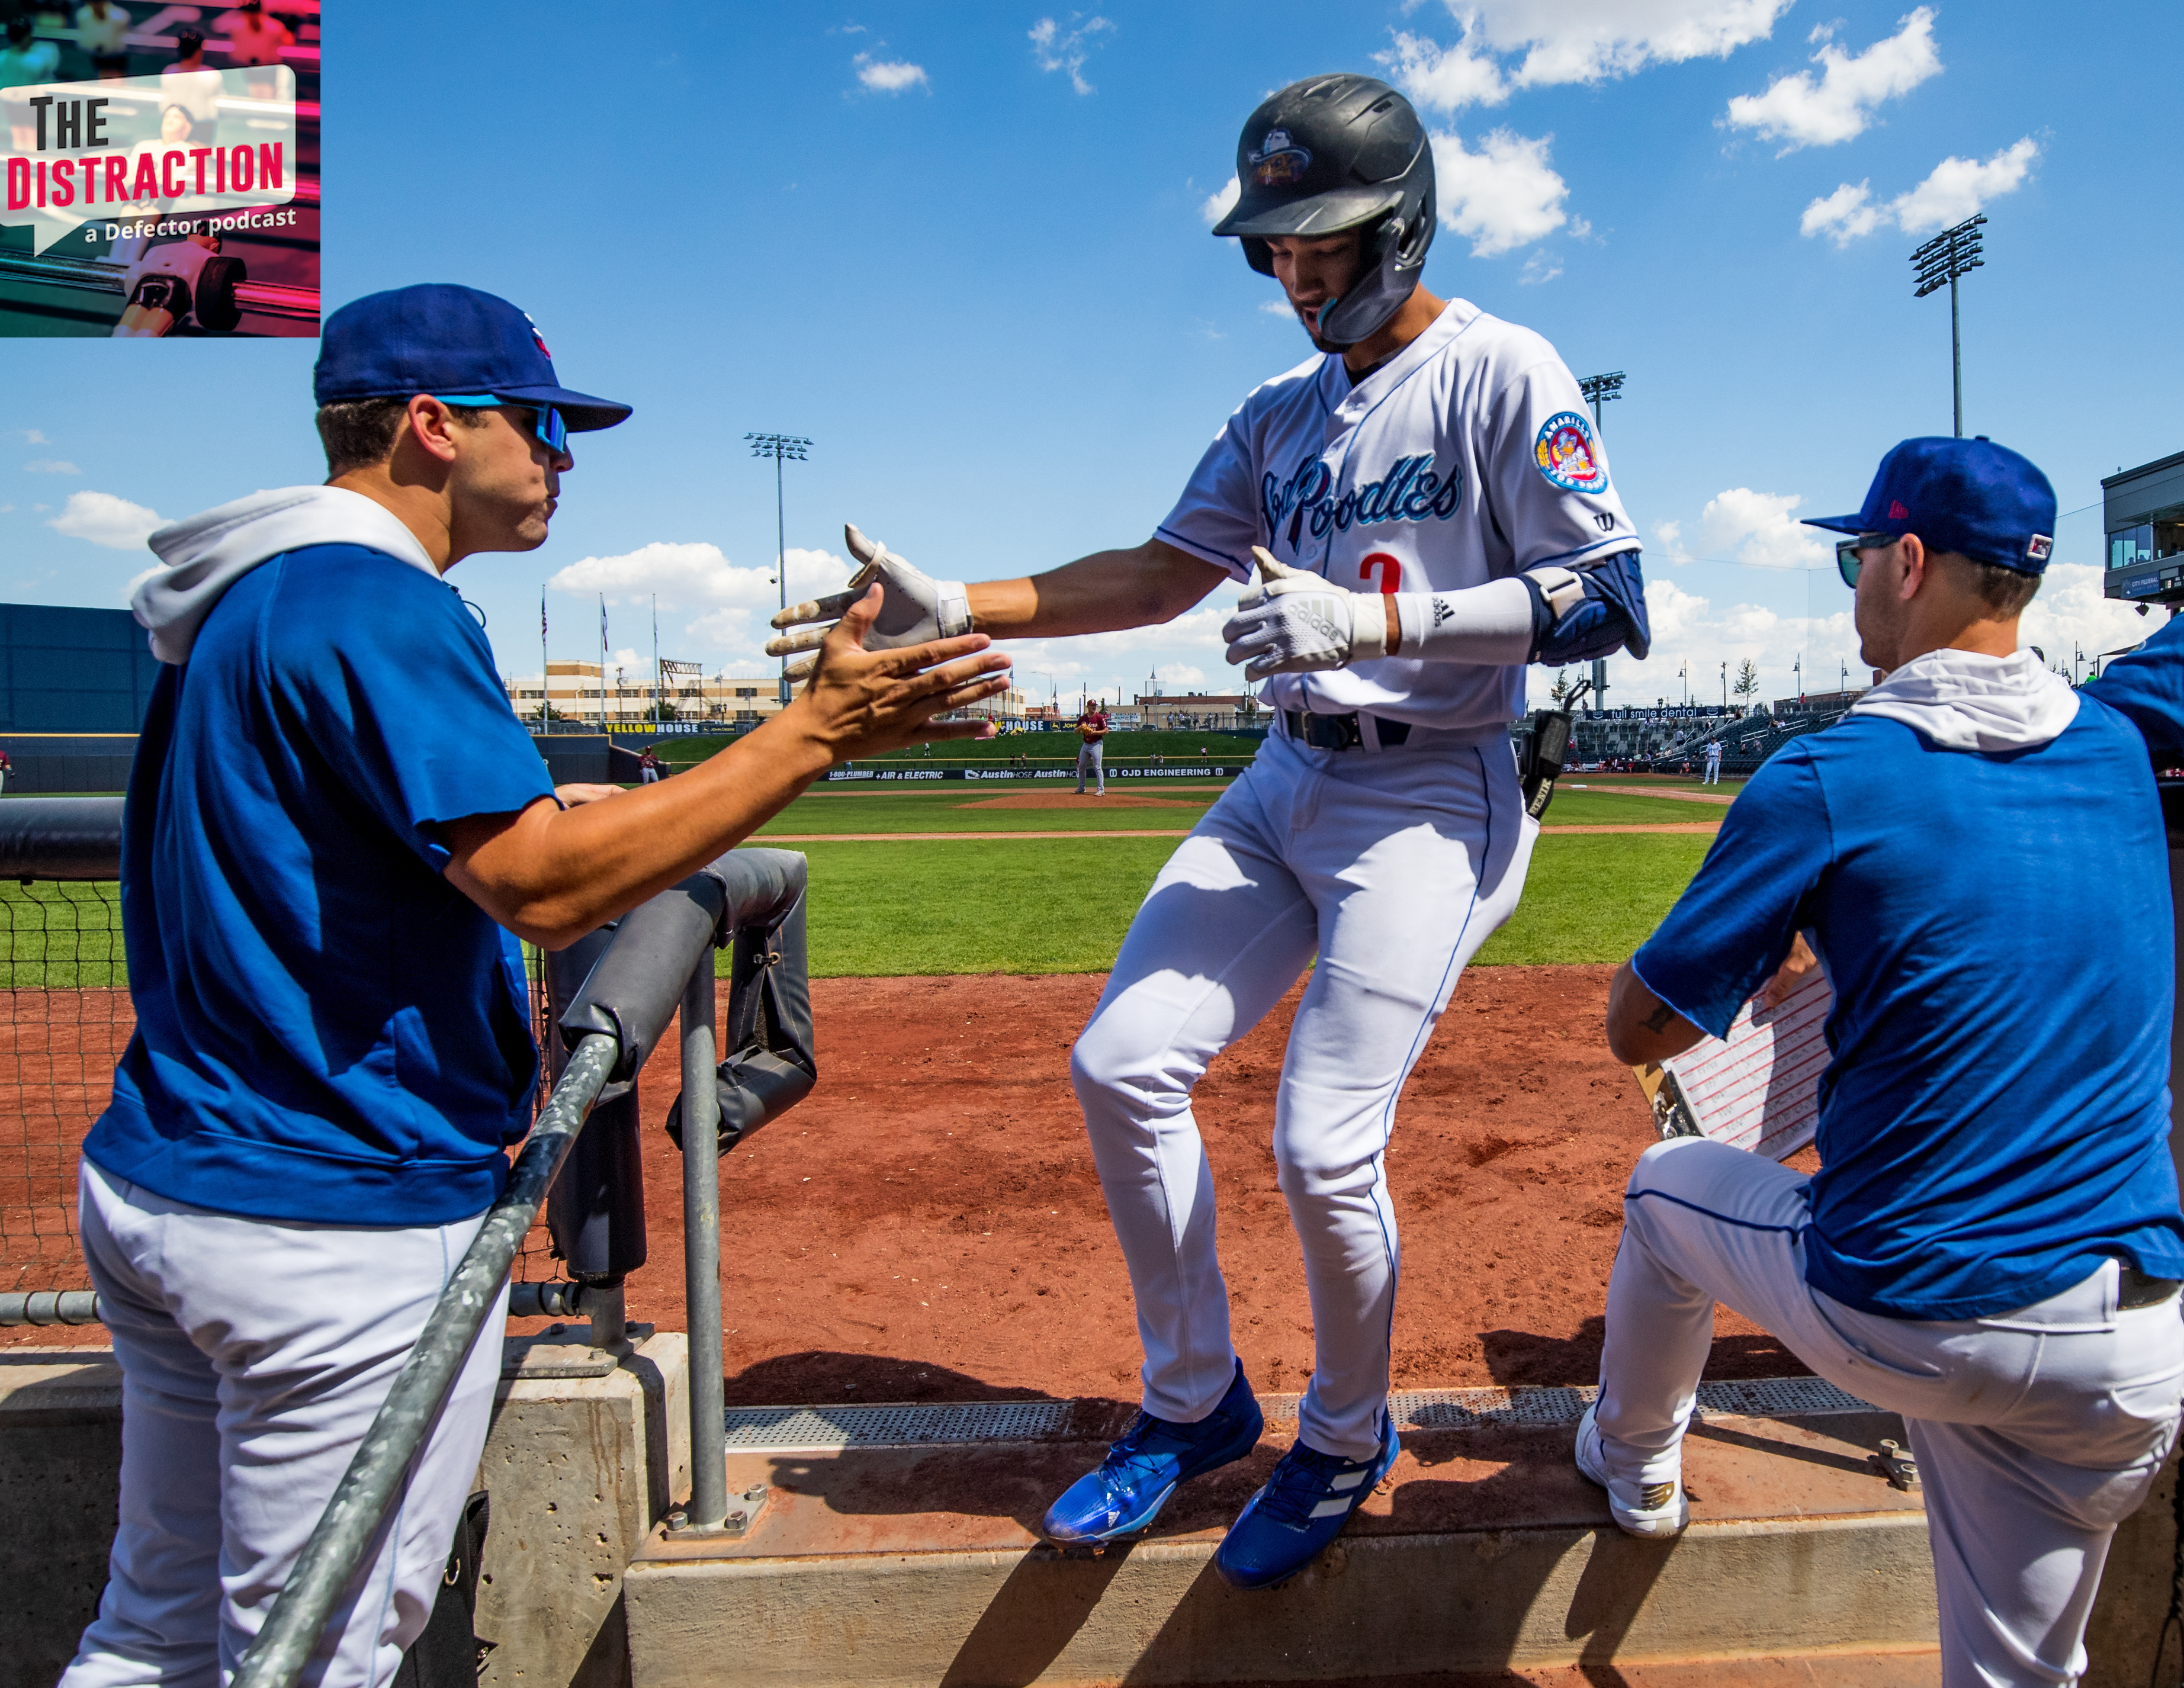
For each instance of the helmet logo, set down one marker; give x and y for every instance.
(1279, 160)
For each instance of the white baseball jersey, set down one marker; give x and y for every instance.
(1466, 458)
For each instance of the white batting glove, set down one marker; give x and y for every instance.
(1295, 623)
(917, 611)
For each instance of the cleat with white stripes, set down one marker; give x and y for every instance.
(1303, 1507)
(1655, 1511)
(1125, 1493)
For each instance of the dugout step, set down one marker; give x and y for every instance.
(1485, 1550)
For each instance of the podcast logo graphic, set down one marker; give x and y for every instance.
(168, 184)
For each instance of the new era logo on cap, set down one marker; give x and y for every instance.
(1896, 512)
(2038, 548)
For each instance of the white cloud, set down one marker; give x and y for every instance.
(1538, 268)
(35, 437)
(1280, 308)
(106, 520)
(6, 508)
(1179, 674)
(2069, 616)
(1443, 78)
(1955, 189)
(1670, 537)
(1503, 196)
(708, 606)
(1586, 41)
(51, 465)
(889, 75)
(1799, 111)
(1760, 528)
(1220, 203)
(1058, 48)
(1844, 215)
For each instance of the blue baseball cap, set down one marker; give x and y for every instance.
(449, 342)
(1970, 496)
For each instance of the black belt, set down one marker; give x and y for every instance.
(1341, 732)
(2137, 1289)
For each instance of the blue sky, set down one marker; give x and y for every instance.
(964, 249)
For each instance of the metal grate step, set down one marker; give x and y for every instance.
(769, 1430)
(756, 1429)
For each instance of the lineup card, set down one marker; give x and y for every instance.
(1759, 1087)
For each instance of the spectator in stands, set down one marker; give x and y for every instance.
(101, 30)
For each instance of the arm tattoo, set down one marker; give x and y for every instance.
(1657, 1021)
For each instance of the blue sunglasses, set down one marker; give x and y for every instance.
(547, 423)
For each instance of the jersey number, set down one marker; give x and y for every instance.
(1390, 569)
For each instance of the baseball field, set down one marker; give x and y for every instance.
(928, 1226)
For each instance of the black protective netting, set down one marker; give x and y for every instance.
(67, 1019)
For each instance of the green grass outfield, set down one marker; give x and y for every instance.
(1029, 906)
(952, 809)
(1061, 906)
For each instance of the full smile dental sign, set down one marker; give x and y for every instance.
(195, 151)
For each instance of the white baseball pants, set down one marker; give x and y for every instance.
(253, 1357)
(1092, 758)
(1393, 866)
(2036, 1431)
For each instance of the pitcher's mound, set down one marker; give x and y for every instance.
(1070, 799)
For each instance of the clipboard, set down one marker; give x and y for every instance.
(1759, 1087)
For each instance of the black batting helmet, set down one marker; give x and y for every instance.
(1334, 152)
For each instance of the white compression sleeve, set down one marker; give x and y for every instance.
(1487, 624)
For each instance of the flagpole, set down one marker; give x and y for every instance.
(655, 665)
(545, 686)
(603, 665)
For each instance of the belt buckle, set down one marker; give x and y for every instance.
(1333, 732)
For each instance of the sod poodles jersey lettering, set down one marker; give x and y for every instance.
(1467, 457)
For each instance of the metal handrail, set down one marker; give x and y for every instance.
(375, 1476)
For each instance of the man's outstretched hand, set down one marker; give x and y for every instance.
(918, 609)
(861, 701)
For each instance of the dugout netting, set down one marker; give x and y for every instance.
(67, 1019)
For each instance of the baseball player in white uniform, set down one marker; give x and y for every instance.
(1422, 508)
(1713, 762)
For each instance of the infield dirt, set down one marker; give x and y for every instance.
(928, 1226)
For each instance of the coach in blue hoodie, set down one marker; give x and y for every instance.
(336, 831)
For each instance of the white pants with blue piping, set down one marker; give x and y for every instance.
(2035, 1430)
(254, 1356)
(1392, 867)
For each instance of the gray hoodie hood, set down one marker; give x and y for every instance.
(1964, 701)
(206, 554)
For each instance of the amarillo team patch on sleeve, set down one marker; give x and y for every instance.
(1565, 454)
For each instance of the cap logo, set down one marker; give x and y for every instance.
(2038, 548)
(1896, 512)
(536, 340)
(1279, 160)
(1564, 453)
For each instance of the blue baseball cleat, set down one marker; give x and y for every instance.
(1302, 1507)
(1131, 1486)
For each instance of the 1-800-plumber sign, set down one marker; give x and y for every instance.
(188, 152)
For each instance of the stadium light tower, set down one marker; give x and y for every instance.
(1951, 254)
(1598, 389)
(781, 449)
